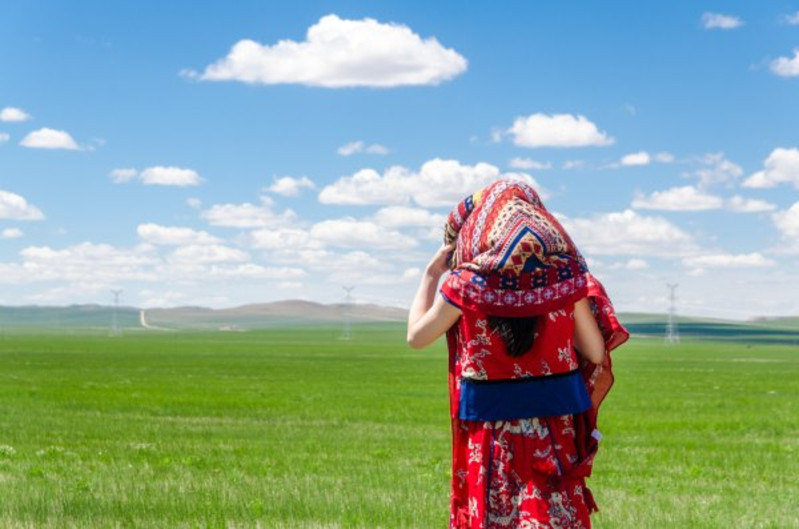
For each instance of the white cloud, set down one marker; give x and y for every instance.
(788, 223)
(289, 239)
(340, 53)
(11, 233)
(636, 264)
(4, 137)
(791, 19)
(169, 176)
(781, 167)
(352, 233)
(289, 186)
(716, 169)
(637, 158)
(785, 66)
(719, 21)
(49, 139)
(256, 271)
(15, 207)
(664, 157)
(194, 202)
(741, 204)
(626, 233)
(573, 164)
(686, 198)
(747, 260)
(357, 146)
(247, 215)
(208, 253)
(411, 273)
(119, 176)
(171, 235)
(528, 163)
(403, 216)
(557, 130)
(13, 114)
(87, 262)
(438, 183)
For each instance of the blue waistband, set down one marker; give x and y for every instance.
(523, 398)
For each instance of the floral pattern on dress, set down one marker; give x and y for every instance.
(514, 474)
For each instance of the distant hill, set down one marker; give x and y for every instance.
(298, 313)
(761, 330)
(262, 315)
(269, 315)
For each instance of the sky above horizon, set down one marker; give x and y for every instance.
(249, 152)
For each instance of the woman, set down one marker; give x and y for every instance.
(529, 330)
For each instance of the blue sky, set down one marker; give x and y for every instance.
(141, 145)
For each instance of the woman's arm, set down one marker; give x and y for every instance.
(587, 337)
(430, 315)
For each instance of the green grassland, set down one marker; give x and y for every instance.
(296, 428)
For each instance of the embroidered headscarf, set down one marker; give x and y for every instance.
(513, 258)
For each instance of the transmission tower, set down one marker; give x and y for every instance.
(114, 315)
(672, 334)
(346, 332)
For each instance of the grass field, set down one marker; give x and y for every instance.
(294, 428)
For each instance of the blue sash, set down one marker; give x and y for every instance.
(523, 398)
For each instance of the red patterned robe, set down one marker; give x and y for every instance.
(514, 473)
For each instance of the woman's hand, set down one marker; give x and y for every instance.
(430, 316)
(439, 262)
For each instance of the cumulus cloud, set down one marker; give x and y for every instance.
(169, 176)
(529, 163)
(573, 164)
(172, 235)
(437, 183)
(781, 167)
(636, 158)
(741, 204)
(158, 175)
(13, 114)
(724, 260)
(208, 253)
(11, 233)
(787, 223)
(403, 216)
(49, 139)
(686, 198)
(629, 233)
(279, 238)
(84, 262)
(120, 176)
(354, 147)
(352, 233)
(786, 66)
(289, 186)
(719, 21)
(15, 207)
(340, 53)
(557, 130)
(715, 169)
(247, 215)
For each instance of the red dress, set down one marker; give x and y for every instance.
(519, 473)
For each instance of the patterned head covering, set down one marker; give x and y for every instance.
(512, 257)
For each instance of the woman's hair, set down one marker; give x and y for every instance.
(518, 333)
